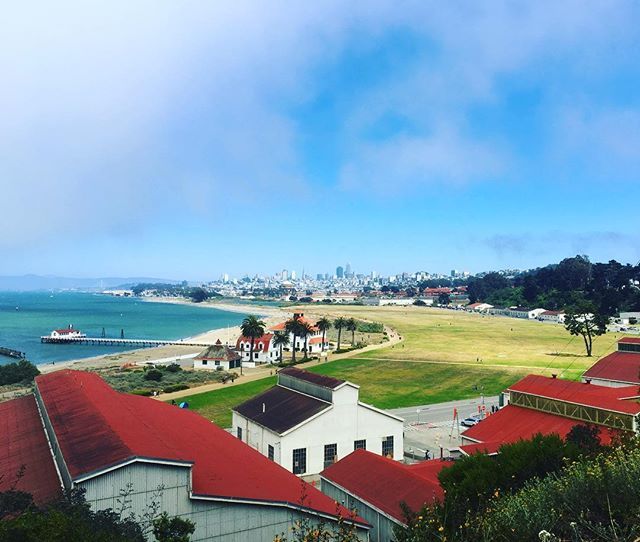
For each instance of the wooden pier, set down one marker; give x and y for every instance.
(11, 353)
(104, 341)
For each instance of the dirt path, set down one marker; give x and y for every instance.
(263, 372)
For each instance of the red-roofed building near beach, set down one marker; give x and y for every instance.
(375, 486)
(539, 404)
(620, 368)
(105, 442)
(314, 339)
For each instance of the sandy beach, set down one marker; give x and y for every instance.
(271, 316)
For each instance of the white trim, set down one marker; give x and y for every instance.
(606, 409)
(380, 411)
(53, 457)
(281, 504)
(363, 500)
(127, 462)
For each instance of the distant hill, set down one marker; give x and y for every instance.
(48, 282)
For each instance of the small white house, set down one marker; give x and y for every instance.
(552, 316)
(309, 421)
(264, 351)
(68, 333)
(218, 357)
(479, 307)
(630, 318)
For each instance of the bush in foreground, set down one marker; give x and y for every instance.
(18, 372)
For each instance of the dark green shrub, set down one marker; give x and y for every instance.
(175, 387)
(20, 371)
(173, 368)
(153, 374)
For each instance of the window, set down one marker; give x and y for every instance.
(330, 454)
(255, 355)
(360, 444)
(239, 432)
(271, 452)
(204, 362)
(300, 461)
(387, 446)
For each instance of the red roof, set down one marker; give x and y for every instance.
(315, 340)
(65, 331)
(259, 345)
(513, 423)
(281, 326)
(604, 397)
(619, 366)
(98, 427)
(23, 443)
(635, 340)
(385, 483)
(488, 448)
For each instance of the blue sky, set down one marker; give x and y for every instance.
(190, 139)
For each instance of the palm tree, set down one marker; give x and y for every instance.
(324, 325)
(281, 340)
(304, 331)
(352, 326)
(253, 329)
(293, 326)
(339, 323)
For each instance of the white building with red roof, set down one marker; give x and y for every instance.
(80, 433)
(264, 351)
(313, 341)
(620, 368)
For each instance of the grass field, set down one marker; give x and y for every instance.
(438, 335)
(443, 356)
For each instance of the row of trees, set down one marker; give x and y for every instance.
(19, 372)
(253, 328)
(610, 287)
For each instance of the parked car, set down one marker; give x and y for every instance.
(471, 420)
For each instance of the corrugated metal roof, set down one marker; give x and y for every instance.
(618, 366)
(319, 380)
(280, 409)
(604, 397)
(23, 443)
(98, 427)
(385, 483)
(513, 423)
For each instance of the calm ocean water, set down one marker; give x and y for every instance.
(25, 316)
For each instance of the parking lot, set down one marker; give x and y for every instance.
(432, 427)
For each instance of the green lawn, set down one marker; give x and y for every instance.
(444, 354)
(382, 384)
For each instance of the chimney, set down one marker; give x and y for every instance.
(587, 381)
(264, 408)
(554, 375)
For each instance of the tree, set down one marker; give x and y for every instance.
(352, 326)
(583, 320)
(153, 374)
(198, 295)
(444, 299)
(280, 341)
(253, 329)
(585, 437)
(22, 371)
(172, 529)
(324, 325)
(292, 327)
(339, 323)
(304, 330)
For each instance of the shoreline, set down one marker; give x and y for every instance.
(227, 335)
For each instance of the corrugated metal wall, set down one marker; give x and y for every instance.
(382, 527)
(215, 521)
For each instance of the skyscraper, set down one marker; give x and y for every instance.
(339, 272)
(347, 271)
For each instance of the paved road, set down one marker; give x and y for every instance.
(431, 427)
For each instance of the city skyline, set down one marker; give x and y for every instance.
(134, 143)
